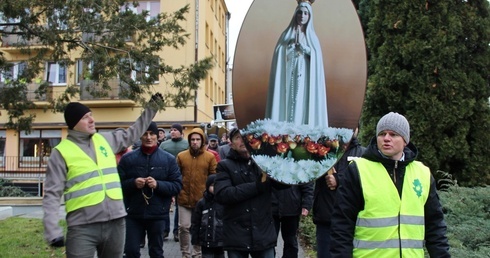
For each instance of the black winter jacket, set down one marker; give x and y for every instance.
(350, 202)
(247, 218)
(324, 198)
(160, 165)
(207, 222)
(290, 201)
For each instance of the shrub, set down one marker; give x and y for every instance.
(9, 190)
(467, 214)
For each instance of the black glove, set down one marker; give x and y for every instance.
(58, 242)
(157, 97)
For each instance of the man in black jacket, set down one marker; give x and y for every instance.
(387, 204)
(324, 196)
(245, 192)
(288, 205)
(149, 179)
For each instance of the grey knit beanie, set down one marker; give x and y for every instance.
(394, 122)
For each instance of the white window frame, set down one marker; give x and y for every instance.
(15, 70)
(80, 69)
(134, 73)
(56, 68)
(55, 17)
(146, 5)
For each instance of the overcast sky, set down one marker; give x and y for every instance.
(238, 9)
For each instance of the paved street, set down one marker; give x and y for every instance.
(171, 248)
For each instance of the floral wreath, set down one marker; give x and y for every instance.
(295, 154)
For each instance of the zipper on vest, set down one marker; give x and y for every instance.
(394, 171)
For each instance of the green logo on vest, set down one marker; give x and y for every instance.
(417, 187)
(103, 151)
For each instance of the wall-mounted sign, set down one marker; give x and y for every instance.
(223, 113)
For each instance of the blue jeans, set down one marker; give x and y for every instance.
(107, 238)
(267, 253)
(323, 241)
(136, 229)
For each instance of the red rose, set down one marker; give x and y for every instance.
(312, 147)
(265, 137)
(255, 144)
(322, 150)
(282, 147)
(272, 140)
(278, 139)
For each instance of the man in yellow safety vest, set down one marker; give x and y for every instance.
(387, 204)
(82, 169)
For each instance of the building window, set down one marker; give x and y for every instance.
(215, 49)
(212, 46)
(35, 148)
(206, 90)
(84, 71)
(207, 35)
(2, 147)
(56, 73)
(12, 71)
(152, 7)
(58, 19)
(146, 71)
(211, 92)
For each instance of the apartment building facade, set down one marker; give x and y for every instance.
(26, 154)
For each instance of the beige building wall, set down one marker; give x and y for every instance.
(206, 23)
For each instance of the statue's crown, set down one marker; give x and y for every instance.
(306, 1)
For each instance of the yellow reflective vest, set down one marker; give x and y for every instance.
(87, 182)
(389, 226)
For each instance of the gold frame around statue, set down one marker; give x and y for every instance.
(340, 34)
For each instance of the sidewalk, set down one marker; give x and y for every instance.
(170, 247)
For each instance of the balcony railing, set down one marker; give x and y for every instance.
(23, 164)
(89, 90)
(51, 92)
(10, 40)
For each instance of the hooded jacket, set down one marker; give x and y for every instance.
(350, 201)
(207, 220)
(195, 167)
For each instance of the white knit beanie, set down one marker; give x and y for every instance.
(394, 122)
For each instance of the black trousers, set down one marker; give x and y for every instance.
(135, 230)
(288, 225)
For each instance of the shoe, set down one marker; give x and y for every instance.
(165, 235)
(142, 244)
(176, 237)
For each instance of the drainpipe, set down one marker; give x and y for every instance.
(196, 48)
(227, 55)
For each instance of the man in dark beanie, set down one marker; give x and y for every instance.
(149, 179)
(370, 213)
(82, 169)
(174, 145)
(74, 111)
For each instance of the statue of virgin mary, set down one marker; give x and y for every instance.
(297, 91)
